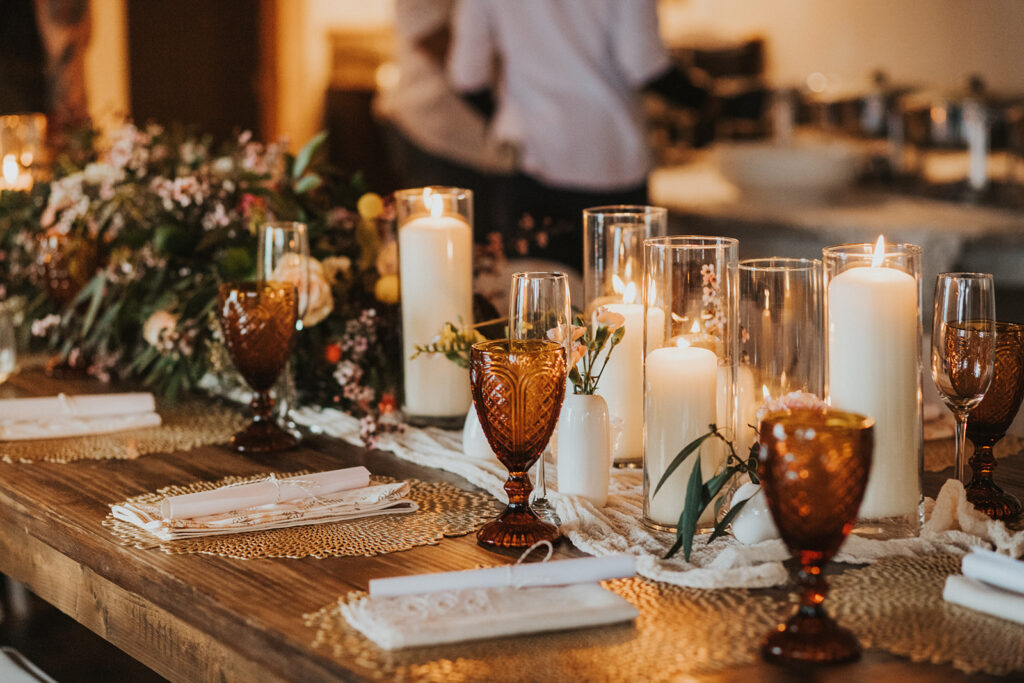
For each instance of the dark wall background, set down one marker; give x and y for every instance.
(196, 62)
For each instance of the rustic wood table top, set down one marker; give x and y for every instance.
(198, 617)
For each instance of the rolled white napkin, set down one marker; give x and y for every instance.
(558, 573)
(62, 406)
(975, 595)
(994, 569)
(266, 492)
(64, 416)
(403, 621)
(63, 428)
(320, 508)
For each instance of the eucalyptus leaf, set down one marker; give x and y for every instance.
(680, 458)
(305, 154)
(308, 183)
(692, 508)
(94, 304)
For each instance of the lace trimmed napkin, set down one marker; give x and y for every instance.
(496, 602)
(270, 504)
(64, 416)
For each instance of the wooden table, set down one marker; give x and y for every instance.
(192, 617)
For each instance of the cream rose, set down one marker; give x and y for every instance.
(159, 328)
(320, 301)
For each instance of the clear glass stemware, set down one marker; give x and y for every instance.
(963, 347)
(538, 303)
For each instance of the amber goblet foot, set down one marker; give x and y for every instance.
(988, 421)
(518, 387)
(814, 469)
(258, 322)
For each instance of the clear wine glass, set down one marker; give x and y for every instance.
(283, 256)
(963, 346)
(539, 302)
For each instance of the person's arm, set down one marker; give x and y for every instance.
(687, 88)
(471, 56)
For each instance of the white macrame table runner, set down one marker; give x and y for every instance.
(953, 525)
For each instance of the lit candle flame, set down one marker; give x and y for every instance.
(696, 327)
(682, 343)
(617, 284)
(765, 393)
(10, 170)
(436, 205)
(879, 255)
(629, 294)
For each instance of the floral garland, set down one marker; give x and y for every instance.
(119, 258)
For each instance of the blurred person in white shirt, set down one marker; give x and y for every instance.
(571, 75)
(435, 138)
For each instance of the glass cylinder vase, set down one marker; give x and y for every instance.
(781, 349)
(613, 265)
(435, 252)
(873, 367)
(690, 333)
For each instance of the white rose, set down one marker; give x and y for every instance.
(336, 265)
(294, 268)
(97, 174)
(159, 327)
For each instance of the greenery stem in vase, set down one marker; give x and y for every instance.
(699, 493)
(587, 344)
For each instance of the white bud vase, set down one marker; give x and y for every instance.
(584, 458)
(754, 522)
(474, 441)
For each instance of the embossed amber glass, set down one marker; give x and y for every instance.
(258, 322)
(988, 421)
(518, 387)
(814, 469)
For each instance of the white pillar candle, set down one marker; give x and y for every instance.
(436, 275)
(679, 405)
(873, 370)
(622, 383)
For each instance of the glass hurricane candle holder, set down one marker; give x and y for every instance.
(781, 349)
(518, 387)
(873, 367)
(613, 267)
(689, 297)
(814, 468)
(435, 251)
(22, 150)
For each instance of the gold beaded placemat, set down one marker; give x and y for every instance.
(444, 510)
(895, 605)
(185, 426)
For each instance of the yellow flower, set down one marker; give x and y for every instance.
(370, 206)
(386, 289)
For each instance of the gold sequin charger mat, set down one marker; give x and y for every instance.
(444, 510)
(895, 605)
(185, 425)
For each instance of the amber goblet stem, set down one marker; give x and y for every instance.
(813, 589)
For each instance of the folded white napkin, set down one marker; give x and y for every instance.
(15, 668)
(266, 492)
(981, 597)
(311, 508)
(437, 618)
(992, 583)
(994, 569)
(560, 573)
(64, 416)
(451, 607)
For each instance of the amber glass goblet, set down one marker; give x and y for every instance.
(518, 387)
(988, 421)
(258, 323)
(814, 468)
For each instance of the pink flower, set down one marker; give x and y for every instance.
(610, 319)
(577, 353)
(559, 334)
